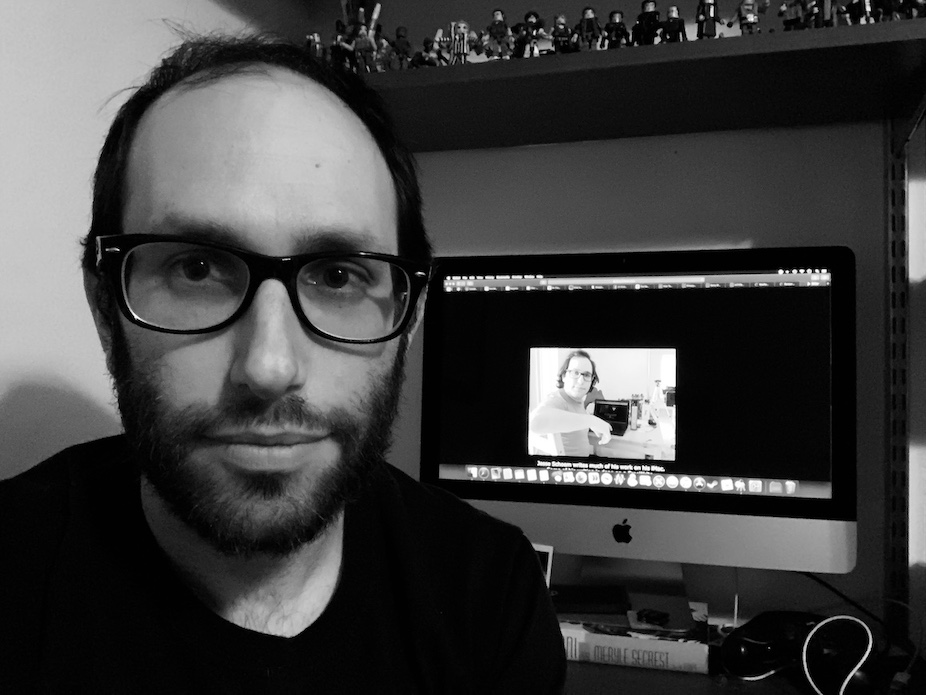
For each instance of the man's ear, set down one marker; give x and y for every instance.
(100, 308)
(418, 317)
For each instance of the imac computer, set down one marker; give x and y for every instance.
(726, 380)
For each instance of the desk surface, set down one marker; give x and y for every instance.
(645, 442)
(595, 679)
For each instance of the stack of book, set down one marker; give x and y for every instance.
(631, 641)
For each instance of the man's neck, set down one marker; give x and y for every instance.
(274, 595)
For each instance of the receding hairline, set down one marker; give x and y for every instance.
(272, 72)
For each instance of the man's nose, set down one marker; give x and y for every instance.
(271, 345)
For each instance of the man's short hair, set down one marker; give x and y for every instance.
(205, 59)
(565, 366)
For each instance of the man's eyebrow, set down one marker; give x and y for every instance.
(322, 240)
(334, 240)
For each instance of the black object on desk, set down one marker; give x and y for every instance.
(615, 413)
(768, 643)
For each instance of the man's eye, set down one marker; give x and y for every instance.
(199, 268)
(195, 269)
(336, 277)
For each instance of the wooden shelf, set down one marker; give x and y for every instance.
(843, 74)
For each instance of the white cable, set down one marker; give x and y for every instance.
(853, 670)
(736, 597)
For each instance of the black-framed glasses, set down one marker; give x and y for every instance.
(576, 374)
(173, 284)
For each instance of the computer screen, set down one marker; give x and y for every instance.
(681, 406)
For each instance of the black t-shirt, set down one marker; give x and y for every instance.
(434, 596)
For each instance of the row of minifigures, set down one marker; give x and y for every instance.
(361, 45)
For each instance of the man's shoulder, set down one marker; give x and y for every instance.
(57, 470)
(555, 399)
(40, 506)
(46, 487)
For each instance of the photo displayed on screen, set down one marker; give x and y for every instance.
(607, 403)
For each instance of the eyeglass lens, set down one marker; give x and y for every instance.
(576, 374)
(186, 286)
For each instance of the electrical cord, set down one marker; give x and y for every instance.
(853, 669)
(901, 678)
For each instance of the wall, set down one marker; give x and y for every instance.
(63, 66)
(805, 186)
(916, 375)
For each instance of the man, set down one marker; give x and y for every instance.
(254, 266)
(564, 412)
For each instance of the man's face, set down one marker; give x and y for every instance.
(257, 432)
(577, 388)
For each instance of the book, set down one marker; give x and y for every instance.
(620, 644)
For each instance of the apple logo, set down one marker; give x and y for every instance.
(621, 532)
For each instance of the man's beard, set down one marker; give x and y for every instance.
(247, 513)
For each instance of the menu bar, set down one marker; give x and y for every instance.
(792, 277)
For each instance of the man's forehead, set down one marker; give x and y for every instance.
(261, 148)
(264, 89)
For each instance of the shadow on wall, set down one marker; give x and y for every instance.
(38, 419)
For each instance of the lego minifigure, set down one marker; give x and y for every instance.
(813, 14)
(792, 15)
(673, 29)
(461, 42)
(314, 45)
(385, 52)
(708, 19)
(648, 25)
(528, 35)
(341, 50)
(747, 14)
(616, 33)
(401, 48)
(365, 50)
(588, 30)
(887, 10)
(498, 37)
(429, 56)
(562, 36)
